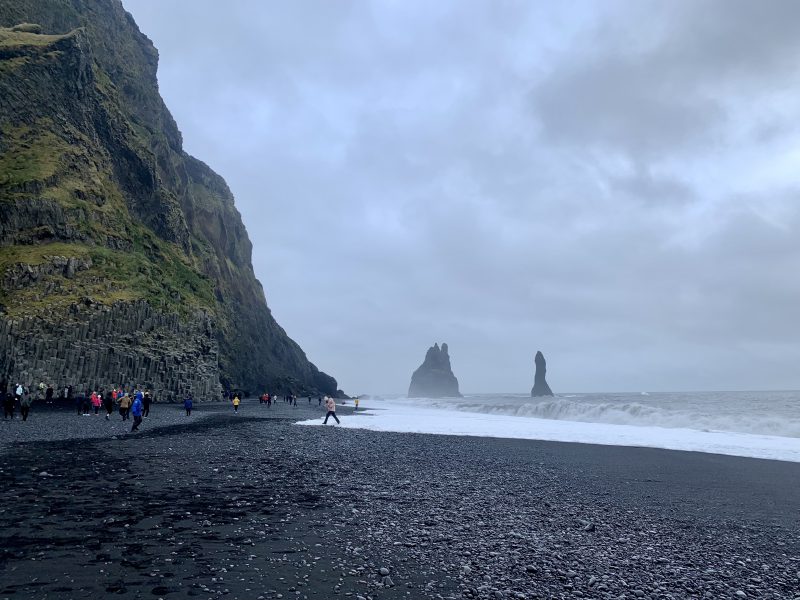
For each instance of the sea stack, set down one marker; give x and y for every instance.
(434, 378)
(540, 387)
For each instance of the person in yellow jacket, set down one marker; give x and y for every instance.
(236, 403)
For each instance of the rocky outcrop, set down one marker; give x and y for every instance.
(434, 378)
(103, 216)
(540, 387)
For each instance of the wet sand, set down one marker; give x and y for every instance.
(250, 506)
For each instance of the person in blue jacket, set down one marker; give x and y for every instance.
(137, 410)
(187, 404)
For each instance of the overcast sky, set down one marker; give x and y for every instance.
(615, 184)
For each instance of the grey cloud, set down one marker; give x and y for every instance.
(662, 77)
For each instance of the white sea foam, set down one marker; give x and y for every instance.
(588, 419)
(631, 412)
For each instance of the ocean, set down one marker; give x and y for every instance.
(755, 424)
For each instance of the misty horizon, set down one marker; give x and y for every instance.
(612, 184)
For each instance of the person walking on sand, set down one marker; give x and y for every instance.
(187, 404)
(147, 400)
(8, 405)
(137, 410)
(25, 406)
(356, 403)
(330, 404)
(96, 402)
(108, 403)
(124, 406)
(236, 403)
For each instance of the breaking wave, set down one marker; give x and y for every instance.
(716, 415)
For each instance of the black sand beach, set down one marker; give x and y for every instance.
(252, 506)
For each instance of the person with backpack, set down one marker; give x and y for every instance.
(236, 402)
(187, 404)
(330, 404)
(137, 410)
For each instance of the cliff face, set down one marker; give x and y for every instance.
(540, 387)
(122, 258)
(434, 378)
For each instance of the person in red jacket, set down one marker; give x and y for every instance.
(96, 402)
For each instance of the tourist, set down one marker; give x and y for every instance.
(319, 400)
(25, 406)
(137, 409)
(96, 400)
(124, 406)
(236, 403)
(48, 395)
(356, 402)
(86, 404)
(108, 403)
(187, 404)
(147, 400)
(8, 405)
(330, 404)
(18, 392)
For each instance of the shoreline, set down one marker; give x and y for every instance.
(56, 423)
(402, 418)
(256, 506)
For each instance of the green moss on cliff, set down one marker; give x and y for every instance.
(157, 274)
(32, 154)
(38, 254)
(9, 38)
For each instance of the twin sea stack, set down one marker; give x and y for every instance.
(434, 378)
(123, 259)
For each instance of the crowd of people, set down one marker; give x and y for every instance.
(129, 402)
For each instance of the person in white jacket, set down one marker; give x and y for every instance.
(331, 406)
